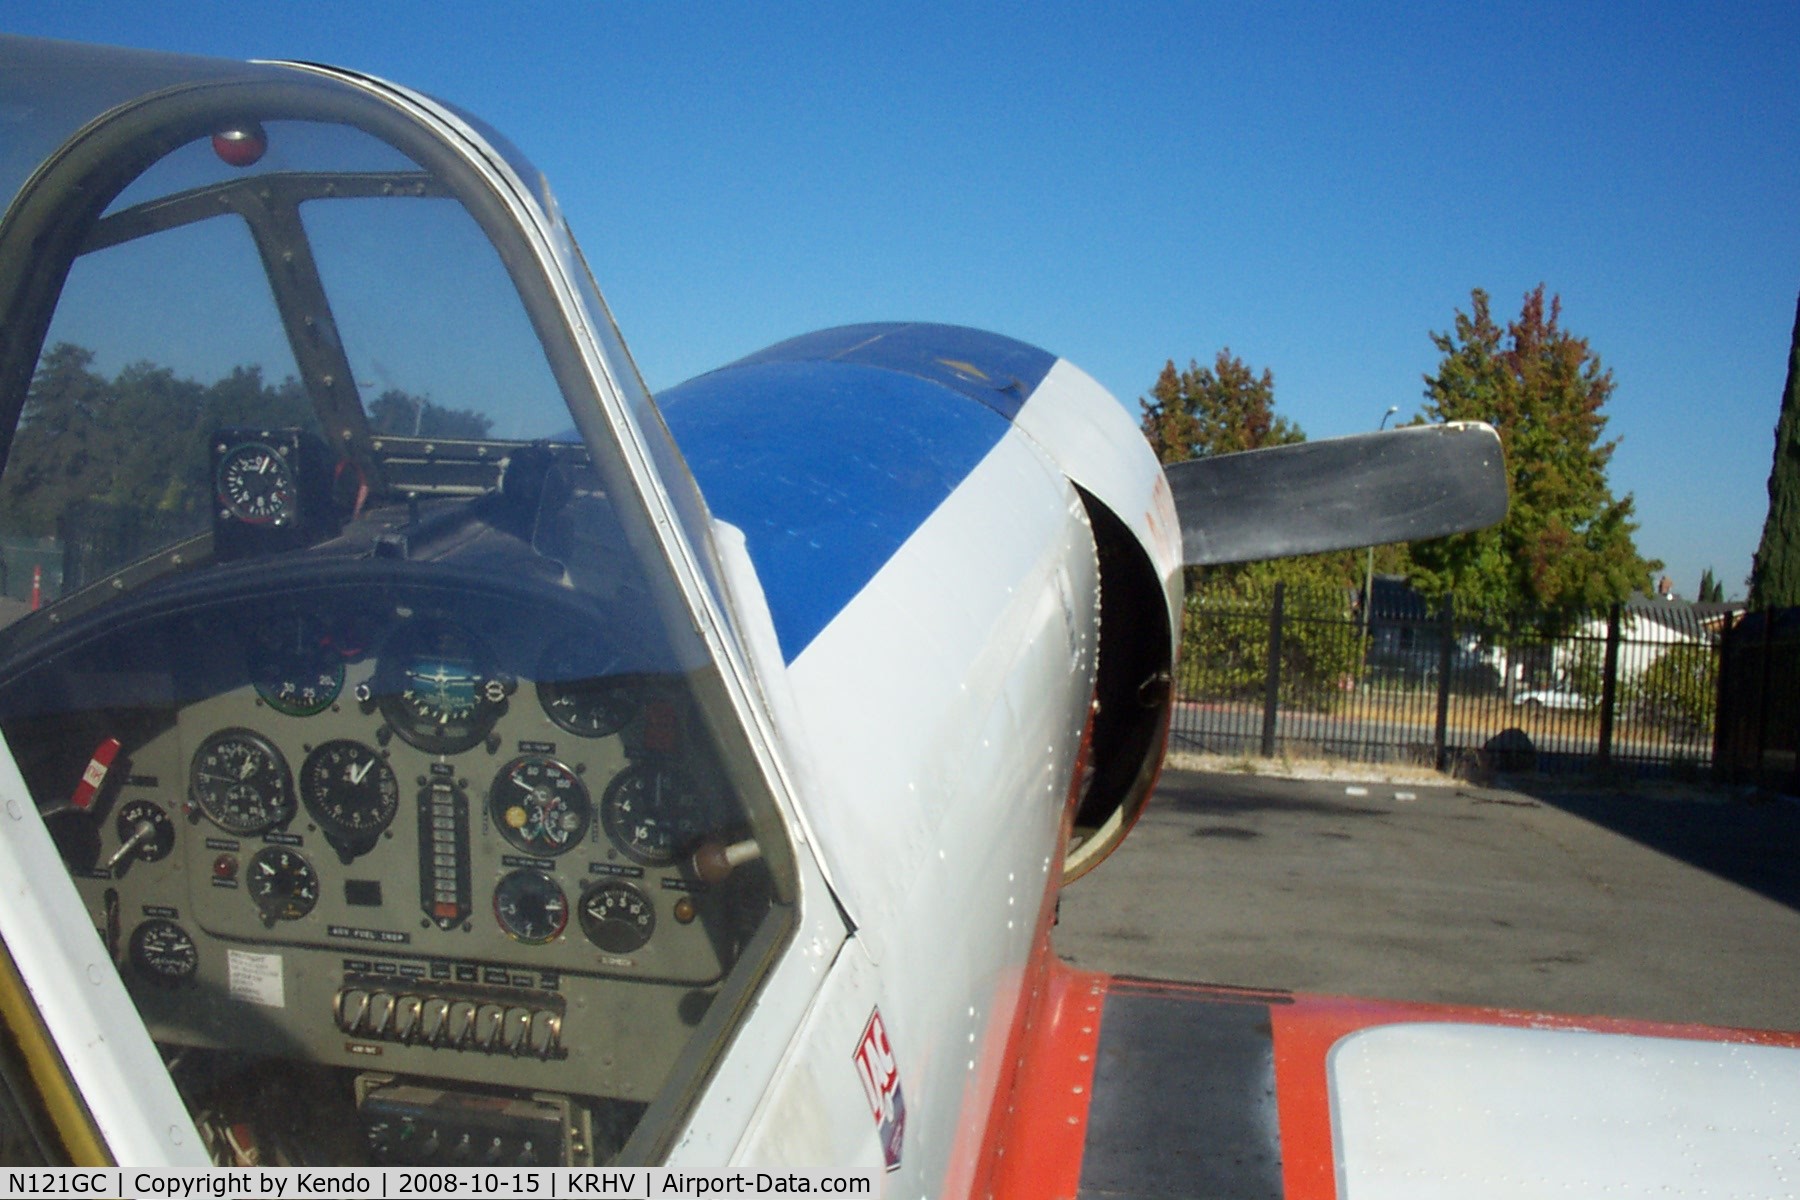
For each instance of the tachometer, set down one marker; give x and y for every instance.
(530, 906)
(438, 688)
(351, 792)
(241, 782)
(653, 813)
(539, 805)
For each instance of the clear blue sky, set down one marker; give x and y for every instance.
(1315, 186)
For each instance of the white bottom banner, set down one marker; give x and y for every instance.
(466, 1183)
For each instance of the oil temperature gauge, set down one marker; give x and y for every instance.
(163, 952)
(539, 805)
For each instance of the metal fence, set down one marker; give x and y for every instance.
(1313, 673)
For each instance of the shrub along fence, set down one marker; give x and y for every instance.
(1282, 670)
(1759, 701)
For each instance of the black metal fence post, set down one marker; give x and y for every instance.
(1723, 708)
(1765, 668)
(1272, 686)
(1609, 685)
(1446, 662)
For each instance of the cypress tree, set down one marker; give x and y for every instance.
(1775, 577)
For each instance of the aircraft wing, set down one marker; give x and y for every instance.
(1146, 1089)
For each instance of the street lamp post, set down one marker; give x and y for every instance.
(1369, 574)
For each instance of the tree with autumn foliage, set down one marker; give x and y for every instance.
(1220, 409)
(1565, 548)
(1223, 409)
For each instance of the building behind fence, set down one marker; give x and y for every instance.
(1314, 672)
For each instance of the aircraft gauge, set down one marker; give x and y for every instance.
(352, 793)
(653, 813)
(437, 686)
(163, 952)
(282, 883)
(617, 917)
(294, 666)
(255, 484)
(530, 906)
(241, 782)
(539, 805)
(580, 690)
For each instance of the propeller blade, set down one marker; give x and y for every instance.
(1399, 485)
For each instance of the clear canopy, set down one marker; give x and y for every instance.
(353, 685)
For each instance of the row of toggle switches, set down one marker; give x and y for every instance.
(441, 1023)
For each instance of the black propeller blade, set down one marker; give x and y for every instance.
(1401, 485)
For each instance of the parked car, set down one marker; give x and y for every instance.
(1550, 697)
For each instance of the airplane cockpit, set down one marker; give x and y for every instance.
(341, 655)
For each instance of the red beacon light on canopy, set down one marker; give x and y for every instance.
(242, 146)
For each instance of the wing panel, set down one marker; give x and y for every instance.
(1199, 1090)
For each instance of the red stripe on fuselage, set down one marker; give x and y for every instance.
(1042, 1049)
(1042, 1126)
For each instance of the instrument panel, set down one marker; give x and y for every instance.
(422, 829)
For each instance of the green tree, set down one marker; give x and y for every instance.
(398, 412)
(115, 468)
(1225, 638)
(1680, 690)
(1219, 409)
(1775, 575)
(1223, 409)
(1565, 547)
(1711, 590)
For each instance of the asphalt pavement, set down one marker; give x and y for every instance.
(1654, 902)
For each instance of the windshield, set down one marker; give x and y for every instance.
(363, 709)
